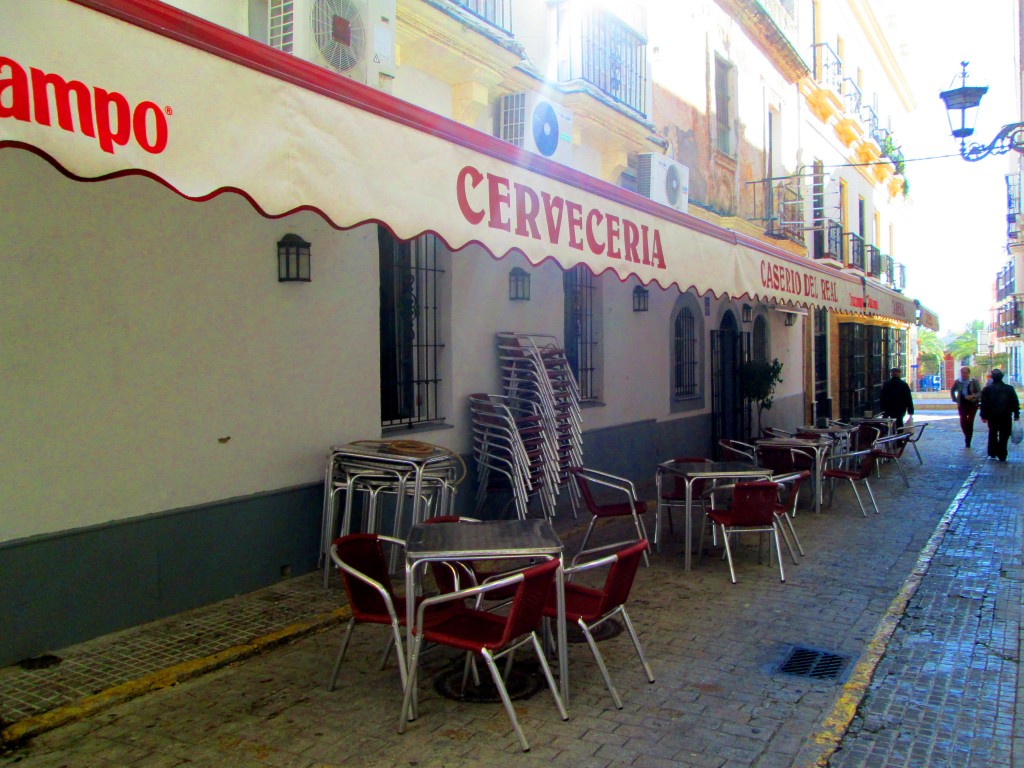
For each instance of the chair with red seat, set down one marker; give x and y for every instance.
(891, 449)
(675, 496)
(489, 635)
(785, 506)
(587, 479)
(856, 468)
(363, 567)
(589, 607)
(736, 450)
(751, 510)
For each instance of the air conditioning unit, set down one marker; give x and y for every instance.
(663, 180)
(355, 38)
(536, 124)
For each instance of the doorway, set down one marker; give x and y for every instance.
(730, 348)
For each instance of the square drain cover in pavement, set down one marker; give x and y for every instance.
(807, 662)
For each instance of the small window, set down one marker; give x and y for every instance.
(725, 106)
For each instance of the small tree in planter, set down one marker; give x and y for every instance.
(758, 379)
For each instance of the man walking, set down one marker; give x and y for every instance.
(998, 403)
(895, 398)
(966, 393)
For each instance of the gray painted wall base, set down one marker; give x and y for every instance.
(62, 589)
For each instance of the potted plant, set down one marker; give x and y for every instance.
(757, 380)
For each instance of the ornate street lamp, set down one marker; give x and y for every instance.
(961, 107)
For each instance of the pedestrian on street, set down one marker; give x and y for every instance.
(998, 403)
(966, 393)
(895, 398)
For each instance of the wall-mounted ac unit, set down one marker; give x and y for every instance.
(663, 180)
(536, 124)
(353, 37)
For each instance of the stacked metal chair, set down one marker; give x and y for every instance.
(535, 373)
(513, 454)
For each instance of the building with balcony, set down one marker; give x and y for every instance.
(1007, 322)
(288, 224)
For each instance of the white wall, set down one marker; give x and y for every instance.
(139, 330)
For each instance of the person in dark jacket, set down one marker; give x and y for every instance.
(999, 403)
(895, 398)
(966, 392)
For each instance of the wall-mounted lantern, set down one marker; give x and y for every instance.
(518, 285)
(293, 260)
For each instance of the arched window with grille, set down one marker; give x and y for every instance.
(687, 354)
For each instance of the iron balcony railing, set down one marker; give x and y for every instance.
(828, 68)
(780, 13)
(779, 207)
(1006, 282)
(854, 251)
(829, 241)
(900, 278)
(869, 117)
(890, 271)
(873, 260)
(612, 57)
(852, 96)
(1012, 195)
(495, 12)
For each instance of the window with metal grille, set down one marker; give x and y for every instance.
(582, 329)
(411, 298)
(853, 371)
(725, 106)
(598, 47)
(685, 360)
(820, 353)
(760, 350)
(496, 12)
(281, 27)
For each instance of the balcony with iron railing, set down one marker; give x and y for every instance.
(828, 242)
(779, 207)
(828, 68)
(899, 282)
(874, 261)
(1006, 281)
(854, 251)
(498, 13)
(852, 97)
(611, 56)
(869, 117)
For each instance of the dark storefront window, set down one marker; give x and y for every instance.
(822, 403)
(410, 343)
(760, 350)
(853, 392)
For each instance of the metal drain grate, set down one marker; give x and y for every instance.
(820, 665)
(522, 682)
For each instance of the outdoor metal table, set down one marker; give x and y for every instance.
(884, 423)
(398, 458)
(820, 448)
(487, 540)
(693, 471)
(838, 432)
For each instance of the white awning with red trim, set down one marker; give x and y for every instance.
(104, 88)
(928, 319)
(882, 302)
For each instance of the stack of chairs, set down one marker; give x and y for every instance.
(535, 372)
(514, 457)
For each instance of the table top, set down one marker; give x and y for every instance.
(483, 540)
(795, 442)
(831, 429)
(404, 451)
(705, 469)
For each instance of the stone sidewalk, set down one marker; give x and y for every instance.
(919, 606)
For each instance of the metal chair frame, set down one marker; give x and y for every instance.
(867, 465)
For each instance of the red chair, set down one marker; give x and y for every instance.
(785, 508)
(855, 467)
(676, 495)
(736, 450)
(587, 479)
(590, 607)
(489, 635)
(363, 567)
(891, 449)
(751, 510)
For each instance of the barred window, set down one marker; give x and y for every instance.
(582, 328)
(684, 355)
(411, 343)
(760, 339)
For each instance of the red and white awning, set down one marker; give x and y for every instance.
(882, 302)
(143, 88)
